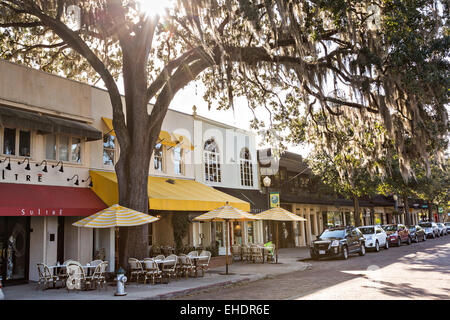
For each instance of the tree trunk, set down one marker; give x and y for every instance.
(406, 208)
(430, 212)
(356, 211)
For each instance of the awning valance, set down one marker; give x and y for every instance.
(11, 117)
(39, 200)
(164, 137)
(168, 194)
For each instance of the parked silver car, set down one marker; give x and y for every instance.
(2, 296)
(442, 229)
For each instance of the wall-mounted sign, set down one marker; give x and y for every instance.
(274, 199)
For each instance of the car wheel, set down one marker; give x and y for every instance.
(434, 235)
(377, 247)
(362, 249)
(424, 237)
(314, 257)
(416, 239)
(386, 245)
(408, 242)
(344, 255)
(399, 242)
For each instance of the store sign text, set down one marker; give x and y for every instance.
(26, 178)
(41, 212)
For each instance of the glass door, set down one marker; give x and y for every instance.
(14, 249)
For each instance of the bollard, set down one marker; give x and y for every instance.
(121, 279)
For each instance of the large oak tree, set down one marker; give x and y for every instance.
(281, 55)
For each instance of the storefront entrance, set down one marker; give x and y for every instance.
(14, 249)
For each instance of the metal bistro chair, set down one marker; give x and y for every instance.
(159, 257)
(98, 277)
(46, 276)
(169, 268)
(76, 279)
(152, 271)
(136, 269)
(246, 254)
(203, 263)
(256, 253)
(236, 251)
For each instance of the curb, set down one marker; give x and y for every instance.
(185, 292)
(201, 288)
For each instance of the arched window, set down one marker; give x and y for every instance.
(212, 161)
(246, 168)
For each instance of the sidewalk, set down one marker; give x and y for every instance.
(239, 272)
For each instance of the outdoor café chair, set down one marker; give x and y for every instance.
(136, 269)
(159, 257)
(256, 253)
(193, 253)
(203, 263)
(76, 278)
(236, 252)
(95, 279)
(246, 254)
(95, 262)
(46, 277)
(151, 271)
(188, 266)
(169, 268)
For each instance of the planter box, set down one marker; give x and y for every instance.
(219, 261)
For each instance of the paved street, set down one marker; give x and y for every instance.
(418, 271)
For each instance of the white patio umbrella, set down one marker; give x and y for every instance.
(114, 217)
(226, 213)
(278, 214)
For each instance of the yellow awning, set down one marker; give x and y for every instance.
(164, 136)
(183, 142)
(109, 125)
(181, 195)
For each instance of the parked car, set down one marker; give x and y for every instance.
(442, 229)
(447, 224)
(397, 233)
(417, 233)
(338, 242)
(375, 237)
(431, 229)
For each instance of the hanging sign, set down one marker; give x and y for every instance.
(274, 199)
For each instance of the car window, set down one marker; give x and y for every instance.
(367, 230)
(425, 224)
(390, 227)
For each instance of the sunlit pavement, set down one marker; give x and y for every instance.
(418, 271)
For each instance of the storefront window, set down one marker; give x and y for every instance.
(246, 168)
(9, 141)
(212, 162)
(24, 143)
(109, 149)
(158, 157)
(219, 234)
(250, 232)
(76, 150)
(177, 160)
(63, 148)
(237, 230)
(50, 147)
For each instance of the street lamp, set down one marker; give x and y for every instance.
(267, 181)
(395, 203)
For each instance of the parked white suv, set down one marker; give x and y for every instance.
(431, 229)
(442, 229)
(375, 237)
